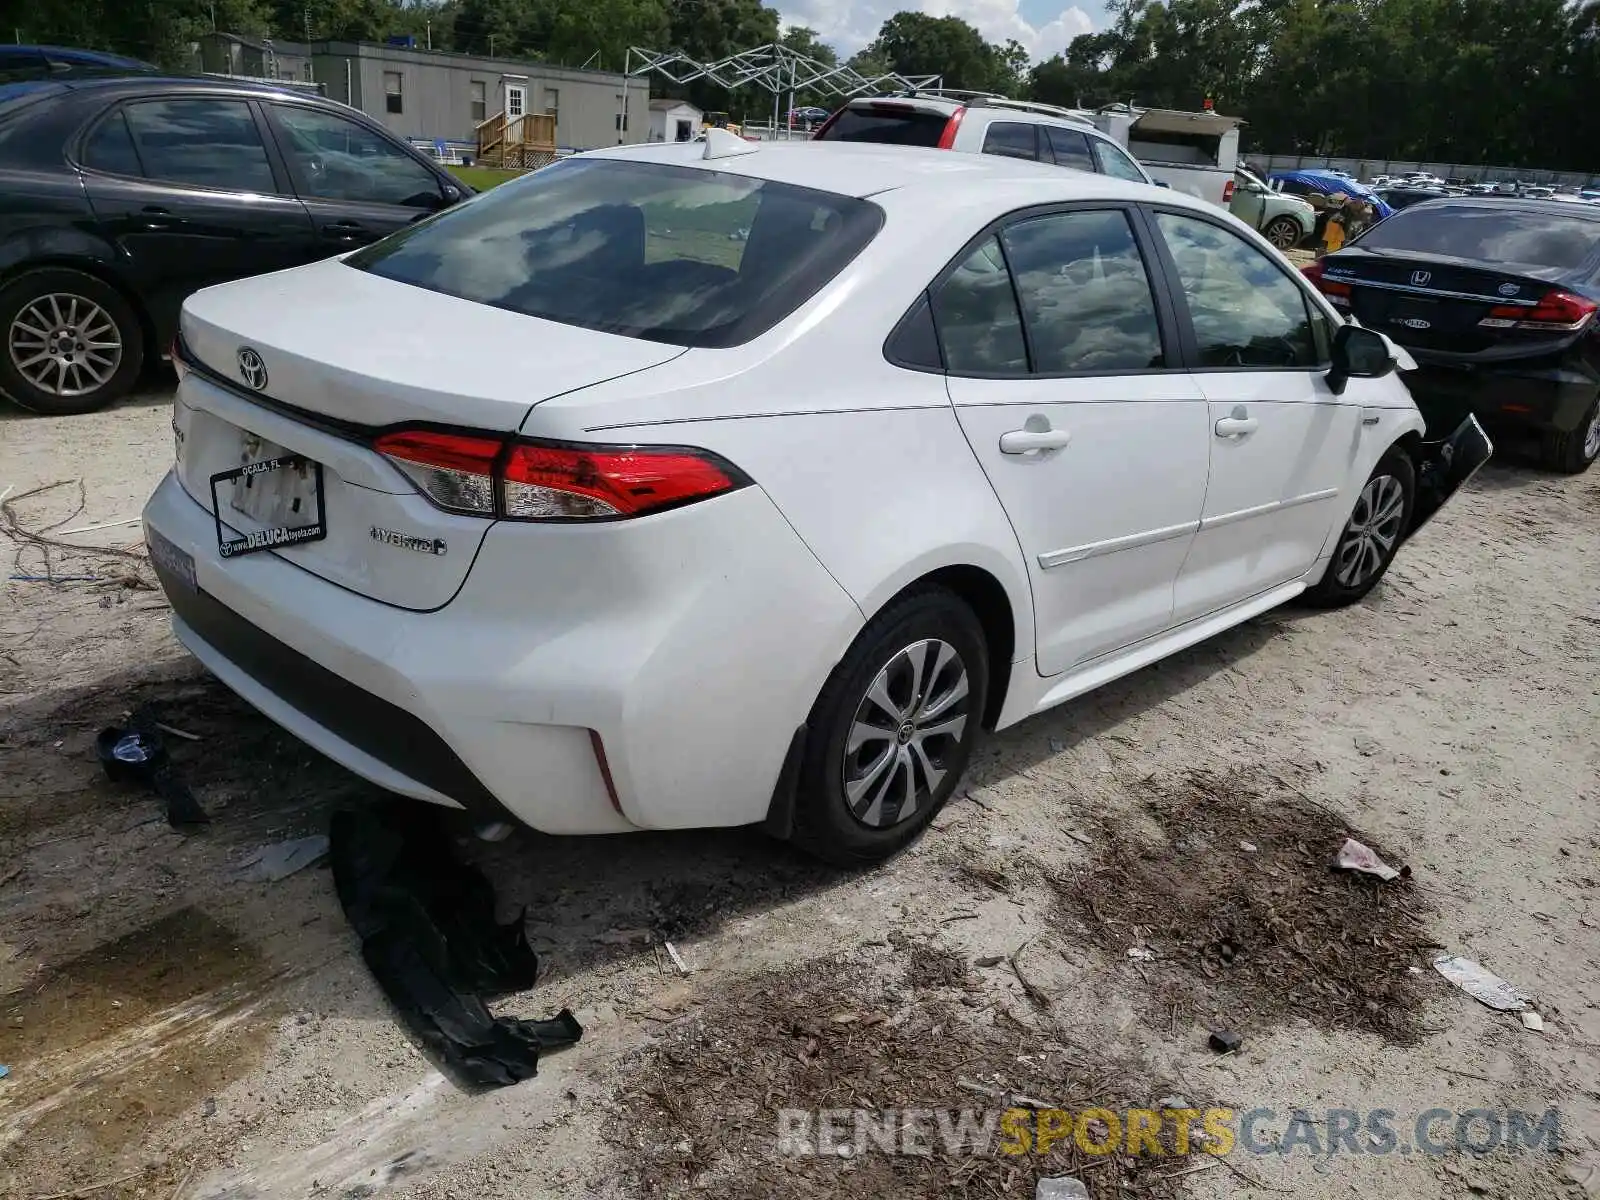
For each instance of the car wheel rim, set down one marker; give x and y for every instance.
(905, 734)
(1281, 236)
(1374, 528)
(65, 345)
(1591, 437)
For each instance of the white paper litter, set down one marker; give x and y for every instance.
(1353, 856)
(1482, 985)
(272, 863)
(1063, 1187)
(1142, 954)
(1532, 1020)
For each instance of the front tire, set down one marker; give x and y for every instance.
(1372, 535)
(69, 343)
(1573, 453)
(892, 732)
(1283, 232)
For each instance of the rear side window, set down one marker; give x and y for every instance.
(208, 143)
(1246, 311)
(110, 148)
(1085, 293)
(1012, 140)
(667, 253)
(1496, 235)
(1115, 163)
(1068, 147)
(892, 124)
(975, 312)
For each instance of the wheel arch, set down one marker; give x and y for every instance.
(97, 270)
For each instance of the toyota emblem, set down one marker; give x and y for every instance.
(1421, 278)
(251, 369)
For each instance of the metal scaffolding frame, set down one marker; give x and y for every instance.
(774, 68)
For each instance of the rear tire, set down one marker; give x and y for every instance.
(1372, 534)
(1283, 232)
(892, 731)
(69, 343)
(1573, 453)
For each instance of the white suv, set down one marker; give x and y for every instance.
(979, 123)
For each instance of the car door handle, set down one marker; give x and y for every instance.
(1025, 441)
(1229, 427)
(153, 216)
(344, 230)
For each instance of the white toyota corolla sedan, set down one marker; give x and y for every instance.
(725, 484)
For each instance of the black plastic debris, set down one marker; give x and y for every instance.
(138, 755)
(1224, 1041)
(428, 934)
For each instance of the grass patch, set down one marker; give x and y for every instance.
(484, 178)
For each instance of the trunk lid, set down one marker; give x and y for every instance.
(335, 354)
(1435, 302)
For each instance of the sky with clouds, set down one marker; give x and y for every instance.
(1043, 26)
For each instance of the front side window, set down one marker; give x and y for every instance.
(393, 92)
(207, 143)
(1115, 163)
(1068, 147)
(667, 253)
(975, 312)
(1011, 140)
(1085, 293)
(1246, 311)
(336, 159)
(110, 148)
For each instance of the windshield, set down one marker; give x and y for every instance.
(666, 253)
(1496, 235)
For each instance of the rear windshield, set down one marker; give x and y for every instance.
(669, 254)
(895, 124)
(1496, 235)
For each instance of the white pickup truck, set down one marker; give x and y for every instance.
(1190, 152)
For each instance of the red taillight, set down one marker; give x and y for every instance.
(1557, 312)
(947, 139)
(179, 363)
(1227, 192)
(455, 471)
(1336, 292)
(599, 748)
(553, 481)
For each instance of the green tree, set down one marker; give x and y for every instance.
(914, 43)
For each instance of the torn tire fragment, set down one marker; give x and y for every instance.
(428, 934)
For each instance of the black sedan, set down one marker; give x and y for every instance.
(1404, 197)
(1497, 300)
(120, 196)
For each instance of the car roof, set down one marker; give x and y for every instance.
(78, 55)
(142, 81)
(1516, 204)
(863, 169)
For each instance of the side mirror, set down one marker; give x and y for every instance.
(451, 194)
(1358, 354)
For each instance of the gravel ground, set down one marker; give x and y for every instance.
(177, 1029)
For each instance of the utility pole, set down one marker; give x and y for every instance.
(430, 35)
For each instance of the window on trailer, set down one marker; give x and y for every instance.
(478, 97)
(393, 100)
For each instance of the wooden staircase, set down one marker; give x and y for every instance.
(526, 142)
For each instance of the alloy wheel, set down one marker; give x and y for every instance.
(1591, 437)
(905, 733)
(65, 345)
(1283, 234)
(1373, 530)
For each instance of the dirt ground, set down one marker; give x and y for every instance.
(176, 1029)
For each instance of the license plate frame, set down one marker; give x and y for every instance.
(271, 537)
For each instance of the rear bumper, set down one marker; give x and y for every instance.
(694, 642)
(1536, 395)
